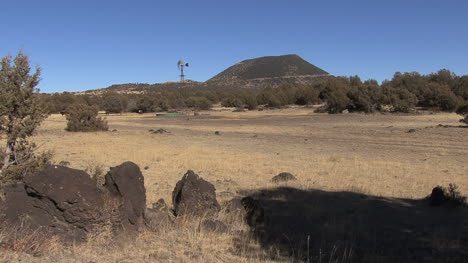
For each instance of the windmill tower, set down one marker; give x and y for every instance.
(181, 64)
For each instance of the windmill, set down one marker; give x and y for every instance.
(181, 64)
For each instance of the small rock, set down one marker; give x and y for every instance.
(283, 177)
(411, 130)
(437, 196)
(217, 133)
(160, 131)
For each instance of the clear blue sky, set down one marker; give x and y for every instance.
(85, 44)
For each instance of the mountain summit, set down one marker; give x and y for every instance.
(268, 70)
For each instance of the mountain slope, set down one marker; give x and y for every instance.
(268, 70)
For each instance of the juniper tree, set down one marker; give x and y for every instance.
(84, 118)
(20, 110)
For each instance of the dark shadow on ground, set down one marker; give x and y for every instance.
(353, 227)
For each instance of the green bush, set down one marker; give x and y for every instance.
(84, 118)
(113, 103)
(251, 102)
(440, 97)
(199, 103)
(307, 96)
(232, 101)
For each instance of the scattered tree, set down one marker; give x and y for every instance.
(84, 118)
(21, 112)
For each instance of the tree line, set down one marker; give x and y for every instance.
(441, 91)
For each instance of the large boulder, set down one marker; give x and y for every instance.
(194, 196)
(126, 183)
(66, 202)
(58, 201)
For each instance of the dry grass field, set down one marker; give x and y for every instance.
(374, 155)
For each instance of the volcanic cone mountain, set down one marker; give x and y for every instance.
(251, 73)
(273, 70)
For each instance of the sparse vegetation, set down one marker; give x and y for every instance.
(450, 196)
(291, 139)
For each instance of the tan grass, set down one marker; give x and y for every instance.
(372, 154)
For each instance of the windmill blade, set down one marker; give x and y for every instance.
(180, 63)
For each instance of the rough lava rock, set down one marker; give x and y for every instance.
(67, 203)
(58, 201)
(194, 196)
(437, 196)
(126, 182)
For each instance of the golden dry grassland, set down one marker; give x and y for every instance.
(372, 154)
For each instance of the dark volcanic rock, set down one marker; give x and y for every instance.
(127, 183)
(272, 70)
(283, 177)
(437, 196)
(58, 201)
(194, 196)
(69, 204)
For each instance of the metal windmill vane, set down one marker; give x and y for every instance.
(181, 64)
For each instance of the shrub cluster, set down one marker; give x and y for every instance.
(84, 118)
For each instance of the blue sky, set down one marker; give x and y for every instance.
(84, 45)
